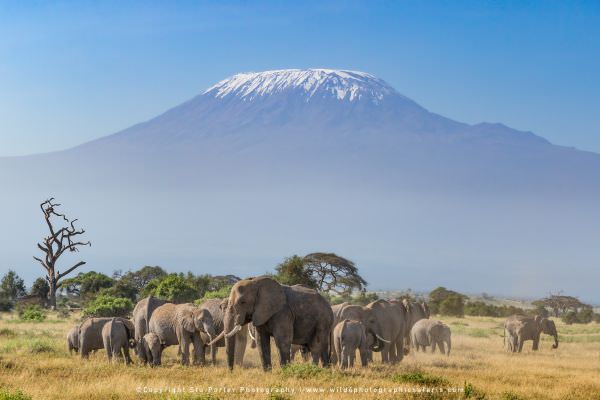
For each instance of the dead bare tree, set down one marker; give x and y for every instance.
(62, 238)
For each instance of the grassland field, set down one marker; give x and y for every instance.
(35, 364)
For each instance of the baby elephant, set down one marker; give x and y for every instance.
(152, 349)
(118, 337)
(428, 332)
(349, 335)
(73, 340)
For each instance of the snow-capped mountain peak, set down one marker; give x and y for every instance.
(342, 85)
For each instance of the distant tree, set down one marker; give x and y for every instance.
(108, 306)
(122, 287)
(173, 287)
(333, 273)
(87, 284)
(40, 289)
(62, 237)
(454, 301)
(292, 271)
(141, 277)
(560, 304)
(453, 304)
(585, 315)
(12, 286)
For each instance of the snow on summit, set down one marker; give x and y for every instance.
(339, 84)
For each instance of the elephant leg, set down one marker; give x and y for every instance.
(433, 343)
(199, 358)
(338, 351)
(126, 353)
(520, 342)
(352, 358)
(536, 343)
(364, 357)
(284, 346)
(263, 341)
(440, 345)
(400, 348)
(240, 348)
(184, 348)
(213, 354)
(344, 358)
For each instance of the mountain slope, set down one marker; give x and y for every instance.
(264, 165)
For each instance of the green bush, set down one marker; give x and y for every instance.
(6, 304)
(482, 309)
(32, 312)
(420, 378)
(6, 394)
(453, 305)
(301, 371)
(215, 294)
(108, 306)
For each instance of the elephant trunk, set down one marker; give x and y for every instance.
(228, 326)
(555, 345)
(376, 344)
(210, 330)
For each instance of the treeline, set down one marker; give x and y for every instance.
(337, 278)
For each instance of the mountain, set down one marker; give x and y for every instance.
(264, 165)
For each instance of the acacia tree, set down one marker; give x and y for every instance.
(63, 236)
(333, 273)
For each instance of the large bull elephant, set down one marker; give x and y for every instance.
(217, 308)
(289, 314)
(181, 324)
(90, 333)
(365, 315)
(141, 318)
(392, 318)
(519, 328)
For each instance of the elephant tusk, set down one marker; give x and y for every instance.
(215, 340)
(235, 330)
(250, 333)
(382, 339)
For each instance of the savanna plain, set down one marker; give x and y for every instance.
(35, 364)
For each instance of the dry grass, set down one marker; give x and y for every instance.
(34, 359)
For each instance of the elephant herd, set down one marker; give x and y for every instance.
(297, 318)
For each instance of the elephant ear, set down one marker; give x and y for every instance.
(129, 327)
(187, 322)
(270, 298)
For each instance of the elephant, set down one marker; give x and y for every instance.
(217, 308)
(295, 349)
(73, 340)
(364, 315)
(348, 336)
(289, 314)
(181, 324)
(393, 320)
(141, 318)
(416, 311)
(90, 334)
(519, 328)
(427, 332)
(117, 337)
(153, 348)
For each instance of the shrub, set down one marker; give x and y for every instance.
(301, 371)
(6, 394)
(108, 306)
(6, 304)
(32, 312)
(453, 305)
(420, 378)
(40, 346)
(216, 294)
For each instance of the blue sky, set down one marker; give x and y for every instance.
(74, 71)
